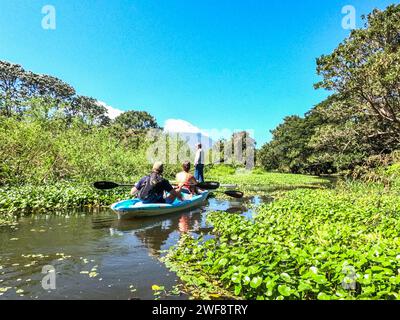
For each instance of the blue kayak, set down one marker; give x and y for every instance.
(135, 208)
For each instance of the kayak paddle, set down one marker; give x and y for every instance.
(233, 194)
(107, 185)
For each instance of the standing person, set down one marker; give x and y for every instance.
(199, 164)
(151, 188)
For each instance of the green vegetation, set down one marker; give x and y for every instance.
(314, 242)
(361, 119)
(34, 199)
(47, 152)
(258, 180)
(311, 244)
(54, 144)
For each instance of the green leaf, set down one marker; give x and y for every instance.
(223, 262)
(238, 289)
(284, 290)
(285, 277)
(323, 296)
(256, 282)
(303, 287)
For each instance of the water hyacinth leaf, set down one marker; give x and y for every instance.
(155, 287)
(285, 277)
(246, 280)
(303, 287)
(238, 289)
(323, 296)
(223, 262)
(236, 278)
(256, 282)
(320, 279)
(284, 290)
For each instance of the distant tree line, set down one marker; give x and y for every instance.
(361, 118)
(24, 94)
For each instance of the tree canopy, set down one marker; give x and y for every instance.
(362, 116)
(136, 120)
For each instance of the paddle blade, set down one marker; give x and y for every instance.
(235, 194)
(105, 185)
(209, 185)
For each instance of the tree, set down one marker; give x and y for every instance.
(136, 121)
(289, 150)
(11, 93)
(89, 110)
(47, 86)
(365, 68)
(347, 136)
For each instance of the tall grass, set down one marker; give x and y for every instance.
(48, 152)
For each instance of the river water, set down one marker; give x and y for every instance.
(96, 256)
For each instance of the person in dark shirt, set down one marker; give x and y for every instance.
(151, 189)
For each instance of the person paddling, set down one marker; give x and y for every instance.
(186, 181)
(150, 189)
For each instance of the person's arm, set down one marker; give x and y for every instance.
(172, 191)
(193, 186)
(134, 191)
(137, 187)
(176, 194)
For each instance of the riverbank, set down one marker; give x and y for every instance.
(325, 244)
(45, 199)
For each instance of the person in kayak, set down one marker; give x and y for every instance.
(186, 181)
(151, 188)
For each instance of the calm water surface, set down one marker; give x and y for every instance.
(96, 256)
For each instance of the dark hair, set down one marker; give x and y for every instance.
(186, 166)
(199, 145)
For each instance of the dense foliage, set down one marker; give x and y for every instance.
(45, 152)
(310, 244)
(48, 133)
(361, 118)
(257, 180)
(54, 144)
(47, 198)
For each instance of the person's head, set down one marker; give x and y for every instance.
(199, 146)
(158, 167)
(186, 166)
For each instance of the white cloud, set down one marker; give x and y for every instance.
(181, 126)
(188, 132)
(112, 112)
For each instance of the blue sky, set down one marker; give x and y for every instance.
(215, 64)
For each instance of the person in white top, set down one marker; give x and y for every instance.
(199, 164)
